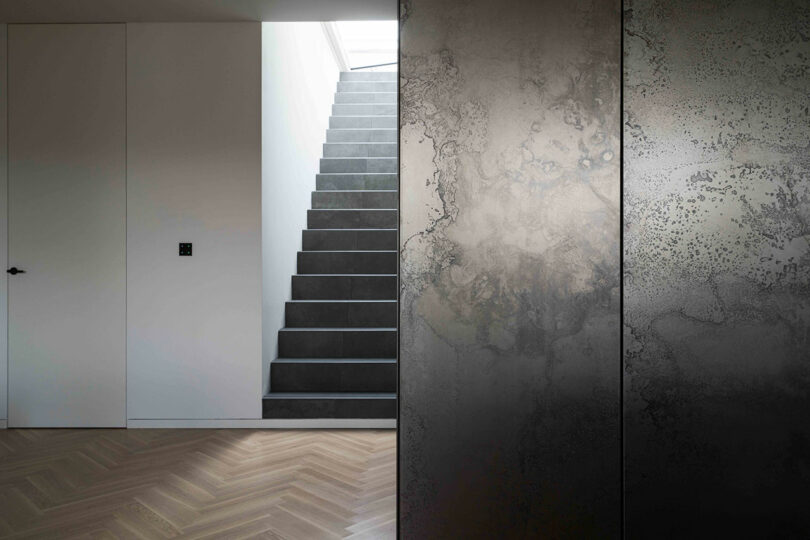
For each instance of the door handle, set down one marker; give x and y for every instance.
(14, 271)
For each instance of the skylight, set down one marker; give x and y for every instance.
(370, 43)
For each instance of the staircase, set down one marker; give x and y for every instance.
(337, 351)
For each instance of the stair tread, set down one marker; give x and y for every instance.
(338, 329)
(344, 275)
(329, 395)
(335, 360)
(340, 301)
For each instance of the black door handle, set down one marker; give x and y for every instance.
(14, 271)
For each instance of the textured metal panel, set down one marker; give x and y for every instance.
(717, 268)
(510, 269)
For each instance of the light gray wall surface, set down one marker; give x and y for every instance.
(509, 358)
(3, 225)
(717, 268)
(194, 175)
(299, 80)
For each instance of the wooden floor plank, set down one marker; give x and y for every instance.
(182, 483)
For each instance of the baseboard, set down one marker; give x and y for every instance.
(3, 424)
(304, 423)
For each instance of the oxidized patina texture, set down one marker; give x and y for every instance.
(510, 212)
(717, 268)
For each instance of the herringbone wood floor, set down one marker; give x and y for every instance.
(170, 483)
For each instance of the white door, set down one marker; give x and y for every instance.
(67, 216)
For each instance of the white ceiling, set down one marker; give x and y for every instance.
(73, 11)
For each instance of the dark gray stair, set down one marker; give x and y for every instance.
(349, 199)
(361, 135)
(364, 109)
(347, 262)
(341, 313)
(359, 165)
(354, 122)
(360, 149)
(347, 287)
(349, 239)
(329, 405)
(366, 86)
(337, 343)
(376, 375)
(337, 351)
(351, 219)
(366, 97)
(338, 181)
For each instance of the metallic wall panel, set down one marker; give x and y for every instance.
(510, 359)
(717, 268)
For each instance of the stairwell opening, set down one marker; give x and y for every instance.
(330, 222)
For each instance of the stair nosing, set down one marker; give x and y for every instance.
(359, 157)
(338, 329)
(341, 275)
(329, 395)
(336, 301)
(335, 360)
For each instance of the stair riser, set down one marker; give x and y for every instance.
(365, 86)
(341, 314)
(365, 97)
(360, 150)
(337, 344)
(362, 122)
(368, 76)
(364, 109)
(356, 181)
(330, 377)
(347, 262)
(354, 199)
(358, 165)
(361, 135)
(344, 287)
(329, 408)
(352, 219)
(349, 240)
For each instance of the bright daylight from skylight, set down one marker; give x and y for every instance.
(370, 43)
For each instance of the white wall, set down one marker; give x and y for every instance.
(194, 175)
(299, 79)
(3, 229)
